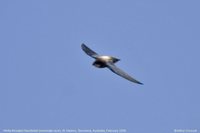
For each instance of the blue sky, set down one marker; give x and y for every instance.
(48, 82)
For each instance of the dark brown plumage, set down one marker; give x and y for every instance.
(107, 61)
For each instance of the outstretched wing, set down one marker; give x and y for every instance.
(121, 73)
(88, 51)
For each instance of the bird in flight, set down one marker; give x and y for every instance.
(102, 61)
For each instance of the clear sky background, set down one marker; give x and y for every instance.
(48, 82)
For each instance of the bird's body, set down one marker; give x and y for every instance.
(102, 61)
